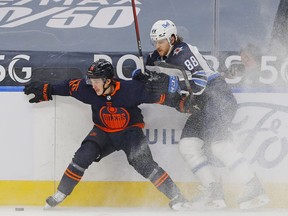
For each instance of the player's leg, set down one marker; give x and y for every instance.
(89, 151)
(140, 157)
(191, 147)
(253, 194)
(224, 107)
(69, 180)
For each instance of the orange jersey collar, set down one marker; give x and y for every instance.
(117, 87)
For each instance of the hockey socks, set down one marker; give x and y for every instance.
(162, 181)
(70, 179)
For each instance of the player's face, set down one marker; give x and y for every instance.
(98, 86)
(162, 47)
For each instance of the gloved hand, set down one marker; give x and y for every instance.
(139, 76)
(162, 83)
(42, 91)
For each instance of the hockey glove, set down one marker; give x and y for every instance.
(139, 76)
(42, 91)
(162, 83)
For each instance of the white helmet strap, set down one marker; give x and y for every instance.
(171, 45)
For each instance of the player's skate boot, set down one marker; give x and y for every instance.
(179, 203)
(253, 195)
(54, 200)
(211, 197)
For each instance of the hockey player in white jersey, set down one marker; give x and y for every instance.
(212, 107)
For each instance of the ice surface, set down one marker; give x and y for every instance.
(66, 211)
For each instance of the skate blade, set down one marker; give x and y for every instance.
(255, 203)
(187, 206)
(47, 207)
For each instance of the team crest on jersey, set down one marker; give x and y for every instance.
(114, 118)
(177, 50)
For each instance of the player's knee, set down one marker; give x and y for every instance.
(218, 148)
(86, 155)
(143, 164)
(133, 159)
(226, 152)
(192, 150)
(191, 146)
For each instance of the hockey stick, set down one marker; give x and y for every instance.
(175, 70)
(138, 36)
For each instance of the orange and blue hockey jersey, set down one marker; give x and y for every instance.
(113, 112)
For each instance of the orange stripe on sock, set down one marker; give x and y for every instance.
(161, 180)
(160, 183)
(72, 175)
(67, 174)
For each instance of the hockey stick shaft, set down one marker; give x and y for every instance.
(138, 36)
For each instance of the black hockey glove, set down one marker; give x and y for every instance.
(139, 76)
(162, 83)
(42, 91)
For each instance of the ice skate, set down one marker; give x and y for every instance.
(253, 195)
(54, 200)
(180, 204)
(211, 197)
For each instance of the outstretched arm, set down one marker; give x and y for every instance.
(43, 91)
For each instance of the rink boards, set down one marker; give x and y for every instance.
(63, 37)
(121, 194)
(39, 140)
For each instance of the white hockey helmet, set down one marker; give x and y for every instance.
(163, 29)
